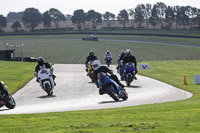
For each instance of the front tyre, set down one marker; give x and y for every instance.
(47, 87)
(10, 102)
(112, 94)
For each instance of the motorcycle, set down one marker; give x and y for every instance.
(46, 81)
(6, 100)
(90, 71)
(129, 73)
(108, 60)
(120, 69)
(109, 86)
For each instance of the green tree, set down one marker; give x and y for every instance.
(139, 15)
(108, 18)
(78, 18)
(169, 16)
(3, 22)
(197, 18)
(147, 13)
(16, 25)
(183, 18)
(131, 13)
(161, 7)
(94, 17)
(56, 16)
(154, 17)
(123, 17)
(46, 18)
(31, 18)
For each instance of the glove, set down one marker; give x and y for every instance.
(97, 86)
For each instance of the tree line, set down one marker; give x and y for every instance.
(154, 15)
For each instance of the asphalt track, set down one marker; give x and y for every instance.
(74, 91)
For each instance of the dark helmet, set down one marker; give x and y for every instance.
(91, 53)
(40, 61)
(122, 52)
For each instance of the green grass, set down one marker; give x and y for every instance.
(16, 74)
(171, 117)
(57, 49)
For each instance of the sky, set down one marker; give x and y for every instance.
(69, 6)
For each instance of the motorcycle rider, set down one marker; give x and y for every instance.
(96, 65)
(42, 64)
(121, 56)
(91, 57)
(107, 54)
(130, 58)
(3, 88)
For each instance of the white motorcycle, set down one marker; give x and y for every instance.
(46, 81)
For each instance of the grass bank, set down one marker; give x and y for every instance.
(171, 117)
(63, 49)
(16, 74)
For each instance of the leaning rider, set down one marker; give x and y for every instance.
(42, 64)
(96, 65)
(89, 58)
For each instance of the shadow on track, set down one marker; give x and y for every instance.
(4, 109)
(133, 86)
(46, 96)
(104, 102)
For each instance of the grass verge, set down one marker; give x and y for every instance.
(171, 117)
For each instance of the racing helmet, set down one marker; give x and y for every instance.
(128, 52)
(1, 85)
(91, 53)
(108, 52)
(40, 61)
(122, 52)
(96, 64)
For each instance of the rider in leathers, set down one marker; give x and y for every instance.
(107, 54)
(42, 64)
(89, 58)
(96, 65)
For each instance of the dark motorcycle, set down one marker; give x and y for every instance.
(108, 60)
(129, 73)
(120, 69)
(6, 100)
(109, 86)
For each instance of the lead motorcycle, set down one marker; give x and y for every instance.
(6, 100)
(45, 78)
(129, 73)
(109, 86)
(108, 60)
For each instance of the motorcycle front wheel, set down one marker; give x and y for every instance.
(10, 102)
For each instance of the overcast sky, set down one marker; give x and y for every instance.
(69, 6)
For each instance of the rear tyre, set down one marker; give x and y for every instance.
(10, 103)
(48, 89)
(125, 95)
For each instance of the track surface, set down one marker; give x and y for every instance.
(74, 91)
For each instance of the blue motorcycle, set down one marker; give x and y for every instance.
(129, 73)
(107, 85)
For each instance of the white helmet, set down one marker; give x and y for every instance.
(96, 64)
(128, 52)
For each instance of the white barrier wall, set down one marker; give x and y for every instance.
(144, 66)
